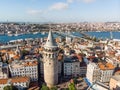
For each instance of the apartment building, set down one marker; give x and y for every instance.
(93, 72)
(106, 70)
(101, 72)
(71, 67)
(25, 68)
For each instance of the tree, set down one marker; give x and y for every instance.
(75, 80)
(72, 86)
(11, 87)
(44, 87)
(53, 88)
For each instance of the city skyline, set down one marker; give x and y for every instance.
(60, 11)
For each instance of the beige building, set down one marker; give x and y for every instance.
(25, 68)
(115, 82)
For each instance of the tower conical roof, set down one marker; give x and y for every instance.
(50, 40)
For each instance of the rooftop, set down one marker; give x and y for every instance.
(19, 79)
(14, 80)
(71, 59)
(3, 81)
(24, 63)
(106, 66)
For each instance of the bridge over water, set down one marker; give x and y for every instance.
(70, 35)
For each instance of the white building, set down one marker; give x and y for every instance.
(106, 70)
(19, 82)
(71, 67)
(25, 68)
(93, 72)
(101, 72)
(4, 73)
(68, 40)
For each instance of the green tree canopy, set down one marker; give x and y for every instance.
(11, 87)
(44, 87)
(72, 86)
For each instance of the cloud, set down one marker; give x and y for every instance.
(34, 12)
(70, 1)
(59, 6)
(88, 1)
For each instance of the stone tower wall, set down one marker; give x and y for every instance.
(50, 68)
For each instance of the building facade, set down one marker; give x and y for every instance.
(93, 72)
(106, 70)
(71, 67)
(25, 68)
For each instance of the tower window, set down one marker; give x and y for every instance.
(49, 55)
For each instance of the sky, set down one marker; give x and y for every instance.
(60, 10)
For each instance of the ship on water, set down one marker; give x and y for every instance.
(35, 32)
(9, 33)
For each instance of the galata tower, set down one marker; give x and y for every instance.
(50, 61)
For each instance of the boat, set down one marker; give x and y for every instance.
(10, 34)
(43, 33)
(18, 34)
(35, 32)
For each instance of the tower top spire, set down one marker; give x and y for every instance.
(50, 40)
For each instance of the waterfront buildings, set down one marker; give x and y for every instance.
(15, 29)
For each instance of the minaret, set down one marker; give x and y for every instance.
(50, 61)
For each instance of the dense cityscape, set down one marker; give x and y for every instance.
(59, 63)
(60, 45)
